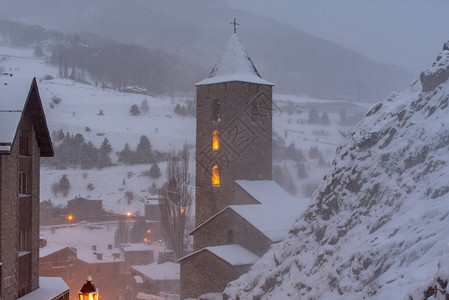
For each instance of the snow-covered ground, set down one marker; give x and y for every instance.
(80, 107)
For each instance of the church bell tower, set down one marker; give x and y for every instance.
(233, 130)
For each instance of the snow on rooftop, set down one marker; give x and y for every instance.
(50, 248)
(234, 254)
(265, 191)
(234, 65)
(273, 220)
(13, 95)
(49, 288)
(136, 247)
(164, 271)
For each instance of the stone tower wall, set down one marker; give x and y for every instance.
(245, 134)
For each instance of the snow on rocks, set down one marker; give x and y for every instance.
(377, 225)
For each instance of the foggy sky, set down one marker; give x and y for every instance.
(408, 33)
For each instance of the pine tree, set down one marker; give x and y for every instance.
(302, 173)
(106, 147)
(313, 117)
(325, 119)
(64, 185)
(155, 172)
(144, 152)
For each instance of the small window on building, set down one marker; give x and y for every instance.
(215, 176)
(24, 240)
(216, 114)
(230, 237)
(23, 183)
(24, 143)
(215, 141)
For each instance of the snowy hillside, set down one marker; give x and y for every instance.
(377, 226)
(80, 106)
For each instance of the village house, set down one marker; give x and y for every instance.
(240, 210)
(82, 209)
(24, 138)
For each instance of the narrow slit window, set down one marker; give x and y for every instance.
(215, 141)
(215, 176)
(216, 115)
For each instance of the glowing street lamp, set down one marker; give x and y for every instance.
(149, 230)
(88, 291)
(128, 214)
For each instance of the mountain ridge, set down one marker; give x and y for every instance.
(296, 62)
(376, 225)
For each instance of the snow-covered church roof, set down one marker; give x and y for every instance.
(234, 65)
(275, 214)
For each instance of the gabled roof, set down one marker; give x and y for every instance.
(235, 255)
(234, 65)
(165, 271)
(274, 216)
(20, 94)
(265, 191)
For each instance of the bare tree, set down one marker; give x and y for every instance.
(176, 209)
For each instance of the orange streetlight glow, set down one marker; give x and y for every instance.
(182, 210)
(145, 239)
(149, 230)
(70, 218)
(128, 214)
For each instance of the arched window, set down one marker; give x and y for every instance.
(216, 115)
(230, 237)
(215, 176)
(215, 141)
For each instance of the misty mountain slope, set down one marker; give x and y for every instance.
(197, 30)
(377, 226)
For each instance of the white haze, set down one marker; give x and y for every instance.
(407, 33)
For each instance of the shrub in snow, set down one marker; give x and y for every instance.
(90, 187)
(56, 100)
(134, 110)
(144, 106)
(51, 105)
(62, 186)
(48, 77)
(129, 196)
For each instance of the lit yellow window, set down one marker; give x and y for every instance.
(215, 141)
(215, 176)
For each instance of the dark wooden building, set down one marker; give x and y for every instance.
(82, 209)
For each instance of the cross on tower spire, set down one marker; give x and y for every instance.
(235, 25)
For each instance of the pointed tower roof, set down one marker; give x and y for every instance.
(234, 65)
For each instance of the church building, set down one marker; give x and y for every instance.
(240, 211)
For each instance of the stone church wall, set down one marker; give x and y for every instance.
(207, 274)
(245, 135)
(215, 233)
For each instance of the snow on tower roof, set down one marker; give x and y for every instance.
(234, 65)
